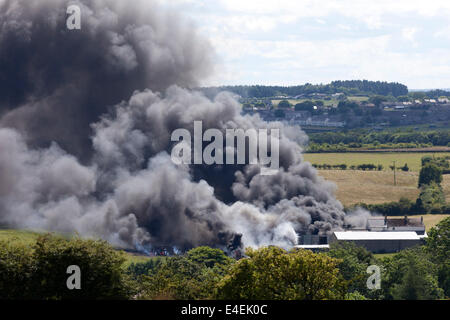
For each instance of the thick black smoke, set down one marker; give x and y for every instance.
(86, 118)
(55, 82)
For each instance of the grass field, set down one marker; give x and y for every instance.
(358, 98)
(29, 238)
(430, 220)
(326, 103)
(23, 237)
(373, 187)
(354, 186)
(386, 159)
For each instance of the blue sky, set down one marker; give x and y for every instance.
(287, 42)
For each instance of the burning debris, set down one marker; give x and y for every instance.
(86, 119)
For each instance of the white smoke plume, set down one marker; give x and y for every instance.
(85, 126)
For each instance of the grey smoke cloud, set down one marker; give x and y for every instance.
(56, 82)
(85, 135)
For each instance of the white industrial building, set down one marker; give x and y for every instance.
(380, 241)
(380, 235)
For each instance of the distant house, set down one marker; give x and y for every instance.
(379, 241)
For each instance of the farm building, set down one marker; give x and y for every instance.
(396, 224)
(380, 235)
(379, 241)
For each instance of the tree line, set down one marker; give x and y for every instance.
(343, 166)
(268, 273)
(347, 87)
(359, 137)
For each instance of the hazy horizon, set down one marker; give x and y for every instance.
(294, 42)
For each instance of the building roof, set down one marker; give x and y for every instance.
(370, 235)
(313, 246)
(411, 222)
(394, 222)
(375, 222)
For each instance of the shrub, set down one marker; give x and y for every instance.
(180, 278)
(284, 104)
(192, 276)
(426, 160)
(16, 269)
(353, 264)
(430, 173)
(136, 270)
(438, 245)
(273, 273)
(40, 272)
(411, 275)
(431, 198)
(102, 276)
(279, 113)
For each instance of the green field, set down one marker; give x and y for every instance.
(326, 103)
(358, 98)
(29, 238)
(386, 159)
(23, 237)
(430, 220)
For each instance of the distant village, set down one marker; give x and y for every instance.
(328, 111)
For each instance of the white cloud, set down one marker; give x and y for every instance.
(292, 42)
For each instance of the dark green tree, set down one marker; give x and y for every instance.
(438, 245)
(413, 285)
(102, 276)
(284, 104)
(353, 264)
(305, 106)
(16, 270)
(273, 273)
(411, 274)
(39, 272)
(209, 257)
(430, 173)
(182, 279)
(431, 198)
(279, 113)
